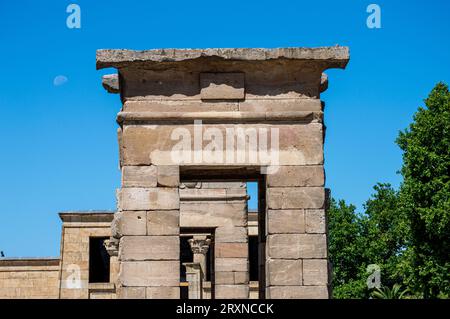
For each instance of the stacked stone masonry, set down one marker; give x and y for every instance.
(176, 105)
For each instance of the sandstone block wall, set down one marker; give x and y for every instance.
(165, 95)
(78, 228)
(29, 278)
(296, 248)
(147, 225)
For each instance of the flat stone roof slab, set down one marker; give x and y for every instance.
(336, 56)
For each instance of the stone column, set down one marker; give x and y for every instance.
(148, 227)
(194, 276)
(296, 249)
(199, 246)
(232, 264)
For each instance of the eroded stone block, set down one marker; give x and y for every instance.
(297, 292)
(283, 272)
(295, 197)
(231, 264)
(163, 292)
(148, 198)
(232, 291)
(163, 222)
(139, 176)
(149, 273)
(295, 176)
(228, 250)
(139, 248)
(222, 86)
(315, 272)
(280, 105)
(231, 277)
(286, 221)
(168, 176)
(153, 144)
(296, 246)
(230, 234)
(129, 223)
(315, 221)
(213, 214)
(131, 292)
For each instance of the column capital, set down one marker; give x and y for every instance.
(199, 245)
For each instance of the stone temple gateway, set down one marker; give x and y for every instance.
(197, 126)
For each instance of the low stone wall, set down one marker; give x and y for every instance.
(29, 278)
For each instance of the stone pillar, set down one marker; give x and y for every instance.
(232, 264)
(296, 250)
(112, 247)
(194, 276)
(148, 227)
(199, 246)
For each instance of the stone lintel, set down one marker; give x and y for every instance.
(29, 261)
(87, 216)
(332, 57)
(220, 117)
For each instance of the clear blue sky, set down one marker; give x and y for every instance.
(58, 142)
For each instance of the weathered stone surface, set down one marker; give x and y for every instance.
(149, 273)
(286, 221)
(336, 56)
(295, 246)
(163, 292)
(231, 264)
(295, 197)
(139, 176)
(111, 83)
(211, 117)
(178, 106)
(297, 292)
(155, 144)
(315, 272)
(223, 185)
(206, 194)
(280, 105)
(284, 272)
(168, 176)
(222, 86)
(163, 222)
(129, 223)
(212, 214)
(230, 234)
(228, 250)
(292, 176)
(120, 144)
(231, 291)
(32, 279)
(231, 277)
(213, 194)
(315, 221)
(323, 82)
(131, 292)
(148, 198)
(140, 248)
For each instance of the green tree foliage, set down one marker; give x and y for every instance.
(345, 249)
(358, 240)
(385, 233)
(425, 194)
(406, 232)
